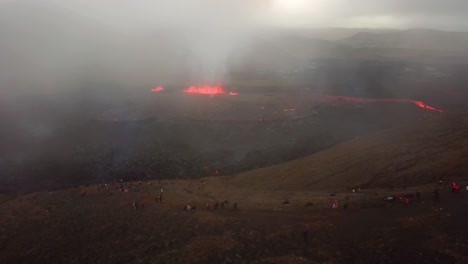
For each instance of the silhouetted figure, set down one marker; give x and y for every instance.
(235, 205)
(286, 202)
(305, 234)
(436, 195)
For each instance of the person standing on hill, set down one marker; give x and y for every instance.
(334, 204)
(436, 195)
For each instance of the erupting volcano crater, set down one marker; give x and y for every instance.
(206, 89)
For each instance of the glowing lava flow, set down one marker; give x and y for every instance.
(157, 89)
(205, 89)
(233, 93)
(373, 100)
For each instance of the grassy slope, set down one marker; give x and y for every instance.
(63, 227)
(411, 155)
(5, 197)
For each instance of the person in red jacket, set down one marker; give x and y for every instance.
(406, 201)
(334, 204)
(455, 187)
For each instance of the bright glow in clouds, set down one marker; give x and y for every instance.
(292, 5)
(293, 13)
(242, 15)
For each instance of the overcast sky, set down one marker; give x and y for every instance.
(437, 14)
(212, 30)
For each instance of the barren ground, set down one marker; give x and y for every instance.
(63, 227)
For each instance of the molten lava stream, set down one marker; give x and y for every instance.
(157, 89)
(373, 100)
(205, 89)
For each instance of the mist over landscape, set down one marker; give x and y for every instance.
(76, 82)
(273, 98)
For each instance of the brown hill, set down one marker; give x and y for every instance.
(415, 154)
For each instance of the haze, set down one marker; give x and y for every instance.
(78, 65)
(172, 40)
(233, 131)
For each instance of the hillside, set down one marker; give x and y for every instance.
(416, 39)
(415, 154)
(90, 224)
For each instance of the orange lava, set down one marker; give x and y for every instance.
(205, 89)
(373, 100)
(157, 89)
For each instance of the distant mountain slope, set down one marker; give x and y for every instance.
(418, 39)
(416, 154)
(336, 33)
(46, 45)
(289, 51)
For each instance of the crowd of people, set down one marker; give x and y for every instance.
(404, 198)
